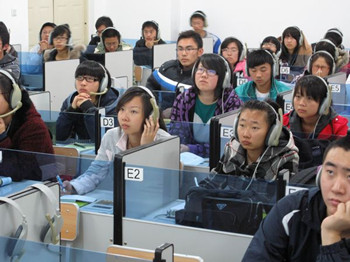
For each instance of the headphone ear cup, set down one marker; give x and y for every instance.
(16, 242)
(318, 178)
(15, 96)
(235, 127)
(274, 133)
(326, 103)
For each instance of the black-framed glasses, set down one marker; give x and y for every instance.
(186, 49)
(209, 72)
(89, 79)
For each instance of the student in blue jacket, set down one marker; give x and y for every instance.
(261, 67)
(310, 225)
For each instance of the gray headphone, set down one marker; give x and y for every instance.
(227, 78)
(327, 101)
(274, 133)
(201, 14)
(310, 60)
(155, 24)
(15, 94)
(274, 68)
(301, 39)
(104, 83)
(336, 51)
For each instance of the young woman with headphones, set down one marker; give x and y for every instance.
(295, 48)
(21, 128)
(63, 49)
(212, 94)
(260, 146)
(311, 224)
(136, 110)
(93, 91)
(313, 116)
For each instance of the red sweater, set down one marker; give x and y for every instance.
(31, 135)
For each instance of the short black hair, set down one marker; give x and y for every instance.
(110, 32)
(343, 143)
(311, 86)
(335, 35)
(103, 20)
(259, 57)
(60, 30)
(217, 63)
(53, 25)
(274, 40)
(4, 34)
(326, 45)
(92, 68)
(191, 34)
(230, 40)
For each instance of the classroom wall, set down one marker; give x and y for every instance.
(251, 22)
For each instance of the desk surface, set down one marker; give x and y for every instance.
(15, 187)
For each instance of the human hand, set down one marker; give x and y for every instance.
(150, 130)
(149, 44)
(67, 187)
(184, 148)
(43, 46)
(79, 99)
(336, 226)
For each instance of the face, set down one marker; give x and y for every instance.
(188, 52)
(305, 106)
(231, 53)
(270, 46)
(290, 43)
(86, 84)
(131, 116)
(320, 67)
(45, 33)
(5, 108)
(111, 44)
(252, 130)
(100, 30)
(261, 74)
(60, 42)
(149, 33)
(335, 179)
(197, 24)
(206, 79)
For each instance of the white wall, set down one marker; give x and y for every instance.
(250, 22)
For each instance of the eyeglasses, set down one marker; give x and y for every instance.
(60, 38)
(89, 79)
(111, 44)
(209, 72)
(319, 67)
(233, 50)
(186, 49)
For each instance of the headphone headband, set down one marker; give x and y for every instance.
(146, 90)
(311, 58)
(15, 206)
(49, 195)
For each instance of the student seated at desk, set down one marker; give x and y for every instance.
(143, 50)
(101, 24)
(310, 225)
(61, 39)
(136, 109)
(111, 42)
(261, 66)
(21, 128)
(77, 119)
(260, 146)
(212, 94)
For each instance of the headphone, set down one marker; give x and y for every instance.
(274, 133)
(114, 29)
(15, 94)
(201, 14)
(274, 67)
(310, 60)
(318, 178)
(301, 39)
(155, 24)
(16, 242)
(50, 233)
(104, 83)
(155, 112)
(327, 101)
(69, 42)
(325, 40)
(336, 31)
(227, 78)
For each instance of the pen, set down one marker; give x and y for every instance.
(78, 144)
(59, 180)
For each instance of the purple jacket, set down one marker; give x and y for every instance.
(182, 115)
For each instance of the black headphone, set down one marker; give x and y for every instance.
(15, 94)
(50, 233)
(227, 78)
(274, 133)
(16, 242)
(274, 67)
(69, 42)
(310, 60)
(326, 102)
(155, 24)
(104, 83)
(201, 14)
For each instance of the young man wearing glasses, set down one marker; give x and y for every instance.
(175, 75)
(76, 119)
